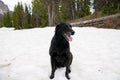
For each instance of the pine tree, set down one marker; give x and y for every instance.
(27, 18)
(86, 8)
(107, 6)
(63, 11)
(1, 22)
(58, 11)
(18, 16)
(72, 10)
(7, 19)
(39, 15)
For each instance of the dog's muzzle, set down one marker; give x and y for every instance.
(68, 35)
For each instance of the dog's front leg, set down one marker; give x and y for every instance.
(53, 67)
(52, 73)
(67, 72)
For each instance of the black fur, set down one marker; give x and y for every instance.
(60, 54)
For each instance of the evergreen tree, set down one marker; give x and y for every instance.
(86, 8)
(1, 22)
(15, 18)
(7, 19)
(39, 15)
(18, 16)
(72, 10)
(107, 6)
(27, 18)
(82, 8)
(65, 10)
(58, 11)
(99, 5)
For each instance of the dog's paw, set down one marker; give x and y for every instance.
(69, 71)
(52, 76)
(67, 76)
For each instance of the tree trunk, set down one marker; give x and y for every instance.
(118, 7)
(51, 12)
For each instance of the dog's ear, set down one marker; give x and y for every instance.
(57, 28)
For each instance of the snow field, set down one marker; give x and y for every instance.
(24, 54)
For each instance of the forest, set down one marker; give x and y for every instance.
(51, 12)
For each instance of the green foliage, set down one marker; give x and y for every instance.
(107, 6)
(72, 10)
(111, 7)
(1, 23)
(64, 10)
(40, 16)
(109, 10)
(7, 21)
(86, 10)
(18, 16)
(22, 18)
(27, 18)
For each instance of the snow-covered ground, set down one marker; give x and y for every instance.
(24, 54)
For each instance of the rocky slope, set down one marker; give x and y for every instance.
(3, 8)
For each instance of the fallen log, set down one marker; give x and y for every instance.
(92, 22)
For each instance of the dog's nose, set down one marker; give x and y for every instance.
(73, 32)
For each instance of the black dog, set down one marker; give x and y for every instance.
(60, 49)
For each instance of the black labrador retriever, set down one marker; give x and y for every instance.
(60, 54)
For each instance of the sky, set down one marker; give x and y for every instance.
(12, 3)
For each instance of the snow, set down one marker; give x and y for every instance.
(24, 54)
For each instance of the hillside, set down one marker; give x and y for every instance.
(3, 8)
(99, 21)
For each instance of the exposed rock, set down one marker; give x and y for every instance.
(3, 8)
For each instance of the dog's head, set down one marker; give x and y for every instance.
(65, 30)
